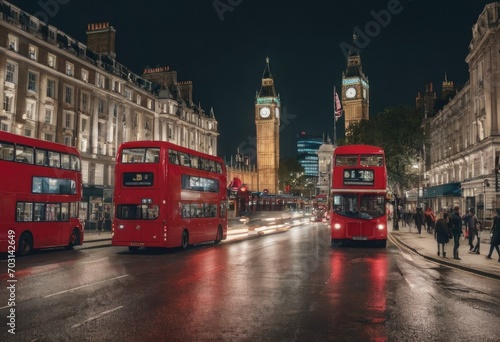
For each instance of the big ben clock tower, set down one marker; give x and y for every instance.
(267, 123)
(355, 89)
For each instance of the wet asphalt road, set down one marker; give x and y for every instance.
(291, 286)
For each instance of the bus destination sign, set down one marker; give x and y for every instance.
(358, 177)
(138, 179)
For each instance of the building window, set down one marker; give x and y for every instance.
(70, 68)
(28, 132)
(100, 106)
(12, 43)
(32, 77)
(68, 120)
(4, 127)
(8, 101)
(100, 80)
(68, 140)
(128, 94)
(48, 116)
(33, 52)
(51, 61)
(138, 100)
(150, 103)
(30, 110)
(85, 76)
(83, 145)
(84, 125)
(10, 73)
(85, 102)
(68, 98)
(117, 86)
(51, 88)
(49, 137)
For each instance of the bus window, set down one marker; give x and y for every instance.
(172, 157)
(133, 155)
(75, 163)
(6, 151)
(372, 161)
(40, 157)
(54, 159)
(24, 154)
(152, 155)
(195, 162)
(184, 159)
(346, 161)
(65, 161)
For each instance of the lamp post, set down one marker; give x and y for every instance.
(486, 184)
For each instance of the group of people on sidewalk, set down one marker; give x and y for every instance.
(451, 225)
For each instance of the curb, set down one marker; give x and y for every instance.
(445, 262)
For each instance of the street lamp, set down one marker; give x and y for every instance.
(417, 166)
(486, 184)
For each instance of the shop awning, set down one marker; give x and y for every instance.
(443, 190)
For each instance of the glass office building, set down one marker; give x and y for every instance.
(307, 152)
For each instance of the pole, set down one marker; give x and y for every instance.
(334, 116)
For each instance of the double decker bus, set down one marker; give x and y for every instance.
(40, 189)
(359, 187)
(168, 196)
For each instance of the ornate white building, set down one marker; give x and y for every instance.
(55, 88)
(465, 134)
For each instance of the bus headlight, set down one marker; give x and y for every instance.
(380, 226)
(337, 226)
(121, 226)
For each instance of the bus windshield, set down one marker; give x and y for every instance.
(367, 206)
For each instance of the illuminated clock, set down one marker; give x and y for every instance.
(350, 93)
(265, 112)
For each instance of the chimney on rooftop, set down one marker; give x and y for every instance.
(101, 38)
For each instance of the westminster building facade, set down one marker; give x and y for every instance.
(56, 88)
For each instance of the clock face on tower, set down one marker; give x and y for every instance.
(350, 93)
(265, 112)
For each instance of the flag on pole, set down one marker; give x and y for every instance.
(338, 106)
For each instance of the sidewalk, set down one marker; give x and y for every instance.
(426, 246)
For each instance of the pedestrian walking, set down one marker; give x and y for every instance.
(456, 230)
(419, 220)
(471, 224)
(443, 233)
(430, 219)
(495, 236)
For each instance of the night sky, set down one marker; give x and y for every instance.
(223, 51)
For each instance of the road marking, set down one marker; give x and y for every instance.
(83, 286)
(98, 316)
(89, 262)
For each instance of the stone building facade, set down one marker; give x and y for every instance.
(464, 136)
(56, 88)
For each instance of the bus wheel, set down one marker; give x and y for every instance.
(133, 248)
(25, 244)
(185, 240)
(74, 239)
(218, 239)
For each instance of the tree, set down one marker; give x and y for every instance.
(291, 173)
(398, 130)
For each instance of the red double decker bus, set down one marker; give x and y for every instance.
(359, 187)
(40, 189)
(168, 196)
